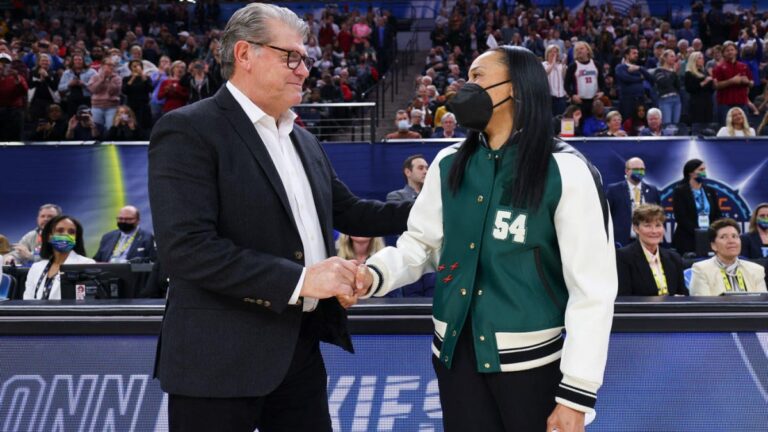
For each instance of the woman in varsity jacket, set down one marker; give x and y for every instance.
(516, 225)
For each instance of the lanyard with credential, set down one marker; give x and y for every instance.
(118, 250)
(659, 277)
(742, 286)
(48, 281)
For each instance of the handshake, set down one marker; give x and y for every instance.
(344, 279)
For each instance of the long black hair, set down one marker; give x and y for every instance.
(532, 118)
(46, 249)
(689, 167)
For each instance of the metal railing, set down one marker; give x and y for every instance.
(355, 121)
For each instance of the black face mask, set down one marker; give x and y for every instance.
(473, 106)
(126, 227)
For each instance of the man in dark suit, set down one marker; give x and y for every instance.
(626, 195)
(244, 205)
(128, 242)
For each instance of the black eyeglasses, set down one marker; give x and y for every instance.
(294, 57)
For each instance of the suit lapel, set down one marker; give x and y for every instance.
(309, 160)
(247, 132)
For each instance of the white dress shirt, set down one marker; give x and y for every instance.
(275, 135)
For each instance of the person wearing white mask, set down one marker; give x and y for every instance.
(403, 126)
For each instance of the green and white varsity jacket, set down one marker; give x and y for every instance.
(522, 276)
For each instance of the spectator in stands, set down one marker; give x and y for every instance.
(147, 66)
(761, 129)
(44, 88)
(62, 244)
(584, 80)
(667, 85)
(125, 126)
(630, 80)
(105, 89)
(52, 128)
(415, 171)
(625, 196)
(5, 247)
(157, 78)
(725, 272)
(448, 128)
(201, 84)
(360, 31)
(13, 99)
(358, 248)
(417, 123)
(637, 122)
(573, 112)
(128, 242)
(81, 126)
(73, 86)
(736, 125)
(556, 76)
(137, 88)
(700, 85)
(733, 80)
(596, 122)
(654, 128)
(687, 32)
(27, 250)
(613, 123)
(171, 90)
(403, 127)
(32, 59)
(644, 267)
(97, 55)
(695, 206)
(653, 60)
(754, 244)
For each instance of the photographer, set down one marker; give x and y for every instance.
(72, 85)
(125, 127)
(81, 126)
(13, 94)
(52, 128)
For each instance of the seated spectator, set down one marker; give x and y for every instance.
(644, 267)
(403, 128)
(52, 128)
(417, 124)
(62, 244)
(81, 126)
(448, 128)
(73, 85)
(654, 128)
(614, 126)
(137, 88)
(358, 248)
(695, 206)
(175, 94)
(634, 124)
(596, 122)
(415, 171)
(105, 89)
(125, 127)
(725, 272)
(573, 112)
(128, 242)
(27, 250)
(754, 244)
(736, 125)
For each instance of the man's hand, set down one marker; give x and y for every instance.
(23, 252)
(363, 280)
(330, 278)
(564, 419)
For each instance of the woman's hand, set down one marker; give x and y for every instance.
(564, 419)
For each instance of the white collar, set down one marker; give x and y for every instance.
(256, 114)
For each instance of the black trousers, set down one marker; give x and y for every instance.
(488, 402)
(300, 402)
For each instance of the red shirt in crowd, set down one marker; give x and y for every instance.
(345, 41)
(12, 93)
(175, 94)
(735, 94)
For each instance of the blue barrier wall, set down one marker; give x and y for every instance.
(92, 182)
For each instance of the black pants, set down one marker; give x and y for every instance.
(300, 402)
(488, 402)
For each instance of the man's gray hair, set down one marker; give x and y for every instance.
(654, 112)
(51, 206)
(250, 23)
(448, 116)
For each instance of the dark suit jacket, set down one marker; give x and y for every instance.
(686, 218)
(143, 246)
(636, 278)
(617, 195)
(752, 245)
(227, 238)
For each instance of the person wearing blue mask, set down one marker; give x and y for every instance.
(625, 196)
(754, 244)
(62, 244)
(695, 206)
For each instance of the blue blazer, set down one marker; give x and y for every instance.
(617, 195)
(143, 246)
